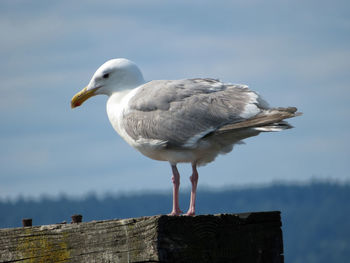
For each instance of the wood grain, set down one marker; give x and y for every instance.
(249, 237)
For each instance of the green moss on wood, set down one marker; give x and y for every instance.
(39, 248)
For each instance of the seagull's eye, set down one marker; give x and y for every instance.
(105, 76)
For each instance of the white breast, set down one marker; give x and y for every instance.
(117, 107)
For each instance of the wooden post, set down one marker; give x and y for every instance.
(248, 237)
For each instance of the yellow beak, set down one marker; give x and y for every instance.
(82, 96)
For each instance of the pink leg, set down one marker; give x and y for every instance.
(194, 181)
(176, 185)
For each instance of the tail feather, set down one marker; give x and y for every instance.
(274, 127)
(268, 120)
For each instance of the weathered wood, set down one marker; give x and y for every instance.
(249, 237)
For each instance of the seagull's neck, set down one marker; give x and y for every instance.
(118, 96)
(123, 90)
(117, 107)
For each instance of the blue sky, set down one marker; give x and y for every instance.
(294, 53)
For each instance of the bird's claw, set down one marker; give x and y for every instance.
(175, 213)
(190, 213)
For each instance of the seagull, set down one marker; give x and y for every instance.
(181, 121)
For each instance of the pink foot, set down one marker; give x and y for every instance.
(175, 213)
(190, 213)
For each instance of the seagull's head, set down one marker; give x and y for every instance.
(113, 76)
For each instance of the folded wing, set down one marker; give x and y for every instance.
(181, 112)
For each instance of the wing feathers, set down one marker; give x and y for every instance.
(182, 112)
(264, 119)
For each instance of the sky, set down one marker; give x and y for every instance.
(294, 53)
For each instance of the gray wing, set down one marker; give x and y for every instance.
(180, 112)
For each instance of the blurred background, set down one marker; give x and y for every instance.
(294, 53)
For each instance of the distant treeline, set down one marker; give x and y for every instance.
(316, 217)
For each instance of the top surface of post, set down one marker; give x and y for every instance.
(162, 238)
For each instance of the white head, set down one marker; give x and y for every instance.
(113, 76)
